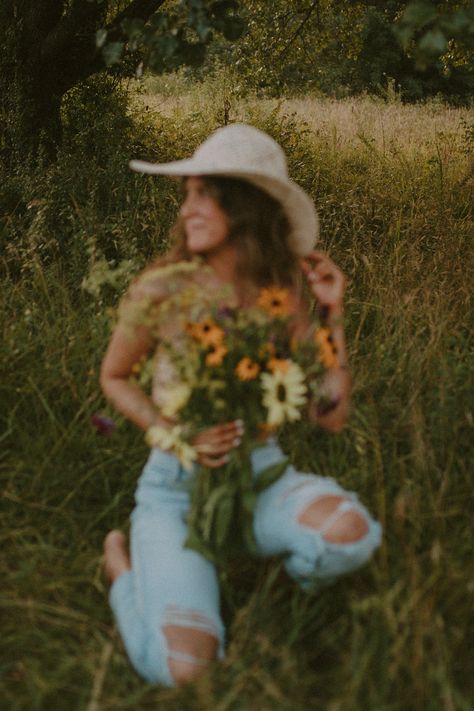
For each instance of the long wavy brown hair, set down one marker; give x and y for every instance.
(259, 229)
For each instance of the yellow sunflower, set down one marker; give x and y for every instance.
(275, 301)
(283, 394)
(327, 350)
(247, 369)
(216, 355)
(207, 332)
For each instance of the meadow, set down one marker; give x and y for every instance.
(393, 185)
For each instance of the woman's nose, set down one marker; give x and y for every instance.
(188, 206)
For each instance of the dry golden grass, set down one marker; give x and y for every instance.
(387, 126)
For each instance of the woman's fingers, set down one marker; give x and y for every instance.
(326, 280)
(212, 462)
(217, 447)
(218, 440)
(312, 260)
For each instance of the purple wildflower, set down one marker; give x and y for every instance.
(104, 426)
(225, 312)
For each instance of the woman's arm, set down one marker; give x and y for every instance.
(124, 351)
(327, 285)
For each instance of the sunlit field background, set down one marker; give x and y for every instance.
(393, 185)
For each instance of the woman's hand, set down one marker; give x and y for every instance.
(326, 282)
(214, 444)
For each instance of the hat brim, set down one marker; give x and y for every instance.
(298, 206)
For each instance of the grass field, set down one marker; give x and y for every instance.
(394, 188)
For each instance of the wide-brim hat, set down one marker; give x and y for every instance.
(245, 152)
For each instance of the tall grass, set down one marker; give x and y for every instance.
(394, 190)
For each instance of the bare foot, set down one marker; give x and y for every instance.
(116, 559)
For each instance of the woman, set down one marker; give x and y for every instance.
(252, 227)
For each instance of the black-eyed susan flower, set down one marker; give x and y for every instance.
(284, 394)
(216, 355)
(327, 349)
(278, 364)
(207, 332)
(266, 350)
(274, 300)
(247, 369)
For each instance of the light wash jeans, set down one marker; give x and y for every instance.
(172, 585)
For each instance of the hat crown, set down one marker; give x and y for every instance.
(240, 148)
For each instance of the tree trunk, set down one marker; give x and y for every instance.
(47, 47)
(45, 53)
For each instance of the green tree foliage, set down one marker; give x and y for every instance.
(433, 31)
(351, 46)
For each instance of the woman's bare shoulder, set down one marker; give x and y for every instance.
(151, 290)
(168, 292)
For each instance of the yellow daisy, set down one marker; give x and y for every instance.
(284, 393)
(327, 350)
(216, 355)
(275, 301)
(247, 369)
(172, 440)
(174, 398)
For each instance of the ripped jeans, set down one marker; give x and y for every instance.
(172, 585)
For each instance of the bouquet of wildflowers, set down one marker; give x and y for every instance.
(228, 363)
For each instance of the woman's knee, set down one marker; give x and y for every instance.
(344, 539)
(336, 517)
(190, 652)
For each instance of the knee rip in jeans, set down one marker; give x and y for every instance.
(192, 641)
(338, 519)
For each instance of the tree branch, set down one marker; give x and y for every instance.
(314, 5)
(81, 20)
(142, 9)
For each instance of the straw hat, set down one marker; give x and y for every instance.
(241, 151)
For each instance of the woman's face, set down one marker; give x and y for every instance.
(206, 225)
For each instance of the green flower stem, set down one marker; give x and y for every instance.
(223, 503)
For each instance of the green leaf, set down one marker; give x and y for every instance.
(269, 475)
(223, 520)
(100, 37)
(197, 544)
(433, 42)
(249, 499)
(112, 53)
(204, 30)
(456, 22)
(404, 34)
(247, 533)
(132, 27)
(419, 13)
(210, 509)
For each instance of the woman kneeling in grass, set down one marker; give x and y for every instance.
(243, 252)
